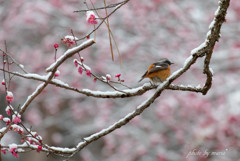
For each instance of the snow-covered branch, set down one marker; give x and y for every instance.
(69, 53)
(223, 5)
(106, 94)
(49, 77)
(204, 50)
(201, 51)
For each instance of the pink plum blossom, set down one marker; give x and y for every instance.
(82, 59)
(39, 148)
(9, 96)
(16, 119)
(17, 128)
(75, 62)
(3, 82)
(80, 70)
(69, 40)
(8, 110)
(7, 120)
(3, 151)
(55, 46)
(108, 77)
(91, 17)
(57, 73)
(12, 149)
(118, 75)
(88, 72)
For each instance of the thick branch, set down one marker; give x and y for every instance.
(213, 37)
(105, 94)
(198, 52)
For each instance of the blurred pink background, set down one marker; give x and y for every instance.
(174, 127)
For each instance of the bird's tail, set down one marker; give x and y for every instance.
(144, 75)
(141, 79)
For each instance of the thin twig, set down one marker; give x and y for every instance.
(100, 8)
(15, 62)
(117, 7)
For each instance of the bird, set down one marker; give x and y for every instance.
(158, 71)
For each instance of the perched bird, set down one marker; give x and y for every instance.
(159, 71)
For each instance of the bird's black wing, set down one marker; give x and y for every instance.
(158, 67)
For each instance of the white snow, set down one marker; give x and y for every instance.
(57, 81)
(2, 129)
(22, 66)
(14, 126)
(57, 73)
(195, 50)
(8, 108)
(11, 146)
(96, 93)
(10, 94)
(187, 60)
(198, 86)
(6, 119)
(30, 96)
(211, 24)
(181, 85)
(20, 150)
(216, 12)
(62, 149)
(71, 37)
(209, 33)
(104, 78)
(31, 75)
(190, 86)
(16, 115)
(33, 133)
(108, 76)
(115, 93)
(89, 13)
(44, 78)
(87, 67)
(69, 51)
(211, 70)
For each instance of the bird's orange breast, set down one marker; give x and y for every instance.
(162, 75)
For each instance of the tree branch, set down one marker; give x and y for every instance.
(49, 77)
(205, 49)
(196, 53)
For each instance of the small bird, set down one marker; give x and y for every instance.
(159, 71)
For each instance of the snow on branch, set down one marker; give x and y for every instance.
(52, 69)
(105, 94)
(69, 53)
(205, 49)
(212, 38)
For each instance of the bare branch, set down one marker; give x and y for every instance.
(103, 20)
(105, 7)
(15, 62)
